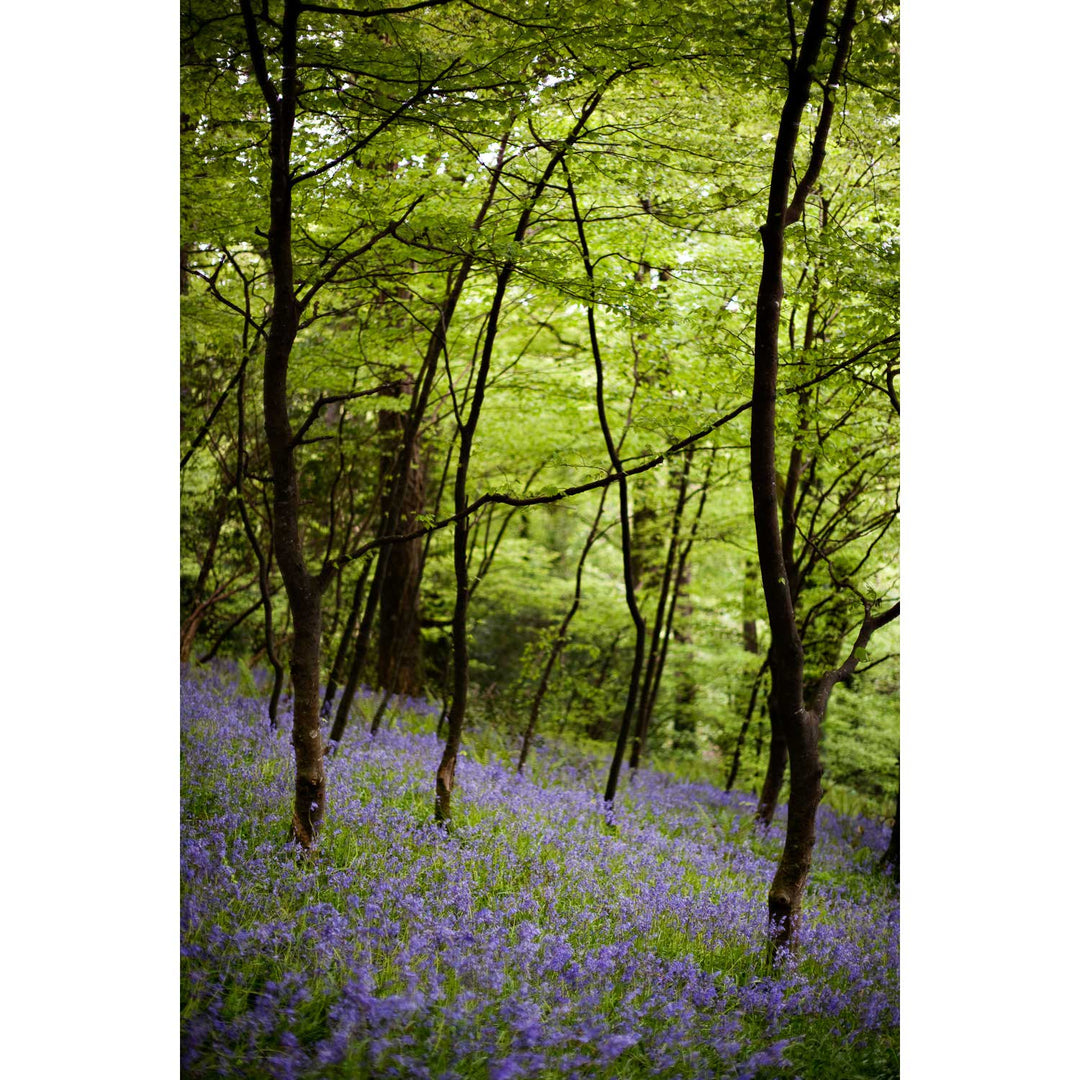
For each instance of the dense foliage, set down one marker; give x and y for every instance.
(534, 941)
(540, 361)
(420, 138)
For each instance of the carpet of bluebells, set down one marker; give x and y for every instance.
(536, 939)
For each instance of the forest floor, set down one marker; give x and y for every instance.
(534, 939)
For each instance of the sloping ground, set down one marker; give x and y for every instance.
(532, 941)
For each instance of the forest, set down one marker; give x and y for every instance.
(539, 535)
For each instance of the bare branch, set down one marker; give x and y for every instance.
(213, 412)
(821, 133)
(371, 13)
(258, 59)
(870, 623)
(593, 485)
(359, 144)
(328, 276)
(333, 399)
(891, 371)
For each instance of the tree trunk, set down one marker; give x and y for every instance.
(444, 776)
(749, 623)
(737, 754)
(797, 724)
(777, 767)
(560, 637)
(624, 517)
(662, 617)
(303, 590)
(682, 605)
(338, 667)
(750, 645)
(356, 665)
(376, 720)
(310, 803)
(264, 561)
(786, 891)
(398, 666)
(435, 350)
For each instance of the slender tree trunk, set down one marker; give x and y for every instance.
(749, 623)
(337, 415)
(396, 501)
(750, 645)
(264, 561)
(798, 724)
(338, 667)
(737, 754)
(560, 637)
(776, 768)
(624, 516)
(444, 776)
(418, 409)
(651, 667)
(304, 591)
(399, 661)
(680, 604)
(356, 664)
(376, 720)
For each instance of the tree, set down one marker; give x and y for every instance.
(459, 239)
(799, 724)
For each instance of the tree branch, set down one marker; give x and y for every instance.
(592, 485)
(333, 399)
(258, 59)
(870, 624)
(821, 132)
(213, 413)
(383, 124)
(326, 9)
(303, 301)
